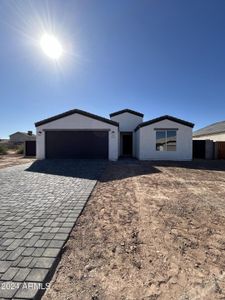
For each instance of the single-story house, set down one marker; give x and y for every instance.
(20, 137)
(79, 134)
(214, 132)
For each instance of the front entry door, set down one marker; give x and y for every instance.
(127, 144)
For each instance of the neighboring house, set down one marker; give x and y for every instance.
(214, 132)
(20, 137)
(79, 134)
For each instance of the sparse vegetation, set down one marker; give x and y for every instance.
(3, 149)
(20, 149)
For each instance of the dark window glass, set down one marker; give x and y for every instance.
(171, 140)
(160, 140)
(166, 140)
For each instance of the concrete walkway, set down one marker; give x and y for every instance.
(39, 205)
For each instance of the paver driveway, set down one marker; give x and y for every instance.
(39, 205)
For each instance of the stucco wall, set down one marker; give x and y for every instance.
(147, 144)
(137, 143)
(127, 121)
(219, 137)
(77, 121)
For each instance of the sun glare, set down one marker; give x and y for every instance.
(51, 46)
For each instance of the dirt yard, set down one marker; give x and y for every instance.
(149, 231)
(13, 159)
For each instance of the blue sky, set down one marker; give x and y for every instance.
(154, 56)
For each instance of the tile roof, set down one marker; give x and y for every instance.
(217, 127)
(23, 133)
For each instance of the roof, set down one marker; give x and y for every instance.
(217, 127)
(166, 117)
(76, 111)
(23, 133)
(127, 111)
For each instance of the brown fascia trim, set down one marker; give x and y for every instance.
(166, 117)
(127, 111)
(76, 111)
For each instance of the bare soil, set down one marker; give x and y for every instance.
(149, 231)
(12, 159)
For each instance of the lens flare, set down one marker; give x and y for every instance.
(51, 46)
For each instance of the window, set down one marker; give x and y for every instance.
(161, 140)
(171, 140)
(166, 140)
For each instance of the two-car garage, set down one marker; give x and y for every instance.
(77, 134)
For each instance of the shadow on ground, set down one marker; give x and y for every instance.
(92, 169)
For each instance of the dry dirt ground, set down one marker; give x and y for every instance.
(13, 159)
(149, 231)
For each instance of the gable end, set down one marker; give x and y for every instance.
(76, 111)
(126, 111)
(166, 117)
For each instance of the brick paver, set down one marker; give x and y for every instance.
(39, 205)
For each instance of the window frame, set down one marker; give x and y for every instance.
(166, 140)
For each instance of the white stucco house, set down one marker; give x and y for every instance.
(20, 137)
(214, 132)
(79, 134)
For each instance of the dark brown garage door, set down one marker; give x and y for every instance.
(76, 144)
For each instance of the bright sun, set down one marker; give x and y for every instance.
(51, 46)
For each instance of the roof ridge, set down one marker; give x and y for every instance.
(128, 110)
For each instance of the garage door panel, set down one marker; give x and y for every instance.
(76, 144)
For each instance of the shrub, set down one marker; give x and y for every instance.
(20, 149)
(3, 150)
